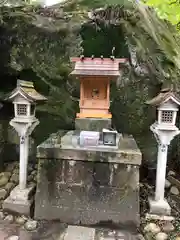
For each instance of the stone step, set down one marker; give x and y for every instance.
(79, 233)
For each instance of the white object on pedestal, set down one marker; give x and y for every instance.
(24, 98)
(24, 131)
(163, 136)
(164, 130)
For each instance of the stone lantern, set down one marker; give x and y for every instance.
(24, 98)
(164, 129)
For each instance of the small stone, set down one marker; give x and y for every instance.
(31, 225)
(15, 178)
(34, 173)
(171, 173)
(9, 219)
(174, 190)
(167, 184)
(13, 238)
(3, 194)
(36, 166)
(4, 178)
(30, 168)
(35, 178)
(168, 227)
(20, 220)
(1, 215)
(10, 166)
(9, 186)
(16, 171)
(30, 178)
(161, 236)
(152, 227)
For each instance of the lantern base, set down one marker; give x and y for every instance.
(94, 115)
(160, 207)
(20, 201)
(92, 124)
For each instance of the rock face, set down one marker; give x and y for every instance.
(88, 186)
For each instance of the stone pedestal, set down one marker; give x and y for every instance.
(92, 124)
(160, 207)
(88, 185)
(20, 200)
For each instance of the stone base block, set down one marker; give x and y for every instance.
(159, 217)
(20, 201)
(79, 233)
(159, 207)
(92, 124)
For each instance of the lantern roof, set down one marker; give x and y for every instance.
(97, 66)
(26, 90)
(163, 97)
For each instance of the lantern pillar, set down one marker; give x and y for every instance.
(159, 205)
(20, 200)
(161, 171)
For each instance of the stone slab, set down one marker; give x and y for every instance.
(87, 192)
(161, 218)
(79, 233)
(159, 207)
(92, 124)
(61, 146)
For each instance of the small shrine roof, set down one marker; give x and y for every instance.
(26, 89)
(97, 66)
(163, 97)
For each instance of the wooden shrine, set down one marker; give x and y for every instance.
(95, 75)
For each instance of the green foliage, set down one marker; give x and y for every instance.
(166, 9)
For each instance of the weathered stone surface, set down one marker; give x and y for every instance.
(168, 227)
(15, 178)
(4, 178)
(152, 227)
(174, 190)
(171, 173)
(9, 186)
(161, 236)
(92, 124)
(16, 170)
(174, 181)
(63, 147)
(88, 186)
(31, 225)
(13, 238)
(167, 184)
(3, 194)
(20, 201)
(79, 233)
(9, 219)
(20, 220)
(10, 166)
(161, 207)
(1, 215)
(16, 206)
